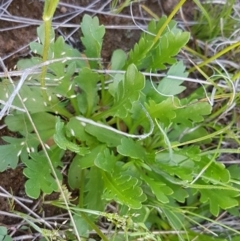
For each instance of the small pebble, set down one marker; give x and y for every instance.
(63, 9)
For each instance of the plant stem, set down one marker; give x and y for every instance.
(47, 31)
(216, 56)
(84, 216)
(81, 198)
(49, 9)
(94, 226)
(172, 14)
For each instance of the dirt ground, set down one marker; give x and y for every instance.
(13, 40)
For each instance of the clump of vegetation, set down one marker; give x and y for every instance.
(214, 20)
(128, 138)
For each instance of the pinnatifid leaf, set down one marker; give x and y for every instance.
(169, 45)
(132, 149)
(39, 173)
(18, 148)
(88, 159)
(9, 155)
(176, 165)
(92, 37)
(139, 52)
(147, 55)
(124, 189)
(219, 199)
(192, 113)
(127, 91)
(171, 86)
(216, 171)
(163, 111)
(87, 82)
(63, 143)
(106, 161)
(159, 189)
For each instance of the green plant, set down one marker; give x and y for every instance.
(214, 20)
(118, 6)
(131, 139)
(3, 234)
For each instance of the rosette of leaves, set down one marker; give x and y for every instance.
(123, 136)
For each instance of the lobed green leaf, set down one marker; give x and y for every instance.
(106, 161)
(87, 82)
(124, 189)
(219, 199)
(63, 143)
(126, 92)
(132, 149)
(39, 173)
(92, 37)
(171, 86)
(16, 149)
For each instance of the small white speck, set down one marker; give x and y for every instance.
(58, 95)
(45, 103)
(65, 221)
(64, 61)
(34, 51)
(72, 96)
(19, 153)
(28, 149)
(15, 66)
(34, 99)
(72, 132)
(63, 53)
(47, 146)
(25, 99)
(32, 149)
(22, 143)
(56, 113)
(6, 95)
(49, 98)
(83, 123)
(70, 87)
